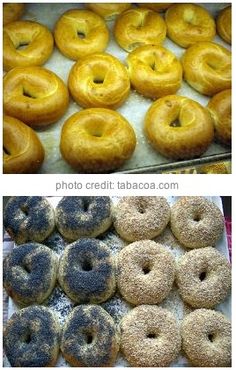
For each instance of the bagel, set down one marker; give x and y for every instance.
(220, 110)
(156, 7)
(207, 67)
(12, 12)
(137, 27)
(138, 218)
(178, 127)
(89, 337)
(100, 81)
(108, 11)
(188, 24)
(223, 24)
(204, 277)
(154, 71)
(22, 149)
(36, 38)
(97, 140)
(34, 95)
(196, 222)
(206, 338)
(80, 32)
(150, 337)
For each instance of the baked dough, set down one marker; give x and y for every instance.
(108, 11)
(12, 12)
(223, 24)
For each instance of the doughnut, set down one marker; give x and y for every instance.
(34, 95)
(203, 277)
(220, 110)
(36, 40)
(154, 71)
(80, 32)
(108, 11)
(137, 218)
(150, 337)
(223, 24)
(178, 127)
(206, 338)
(12, 12)
(78, 217)
(196, 222)
(29, 273)
(89, 337)
(156, 7)
(207, 67)
(146, 272)
(97, 140)
(137, 27)
(23, 152)
(188, 24)
(31, 337)
(100, 81)
(87, 271)
(28, 219)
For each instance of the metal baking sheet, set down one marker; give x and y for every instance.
(116, 306)
(145, 159)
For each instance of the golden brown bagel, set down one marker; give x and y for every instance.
(22, 149)
(100, 80)
(178, 127)
(80, 32)
(223, 24)
(12, 12)
(154, 71)
(35, 36)
(97, 140)
(220, 110)
(140, 26)
(207, 67)
(34, 95)
(156, 7)
(188, 24)
(108, 11)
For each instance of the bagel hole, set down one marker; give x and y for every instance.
(211, 337)
(27, 268)
(153, 66)
(175, 123)
(24, 210)
(152, 336)
(27, 94)
(6, 151)
(197, 218)
(98, 80)
(27, 338)
(86, 265)
(85, 206)
(88, 336)
(146, 269)
(202, 276)
(81, 35)
(22, 46)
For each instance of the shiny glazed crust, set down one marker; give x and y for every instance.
(100, 81)
(108, 11)
(38, 38)
(137, 27)
(23, 151)
(188, 24)
(220, 110)
(154, 71)
(90, 26)
(34, 95)
(178, 127)
(207, 67)
(97, 140)
(159, 7)
(224, 24)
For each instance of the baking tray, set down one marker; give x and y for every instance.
(145, 159)
(116, 306)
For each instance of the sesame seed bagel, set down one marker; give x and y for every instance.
(137, 27)
(196, 222)
(204, 277)
(78, 217)
(36, 38)
(29, 273)
(146, 272)
(31, 337)
(206, 338)
(89, 337)
(28, 219)
(150, 337)
(87, 272)
(137, 218)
